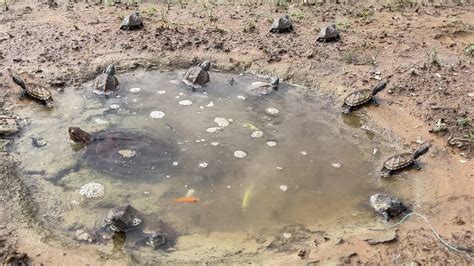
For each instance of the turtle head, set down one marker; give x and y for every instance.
(78, 135)
(206, 65)
(110, 70)
(275, 81)
(421, 150)
(379, 87)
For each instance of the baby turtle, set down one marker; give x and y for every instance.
(329, 34)
(403, 160)
(124, 153)
(197, 76)
(34, 90)
(282, 24)
(263, 88)
(106, 83)
(387, 206)
(132, 22)
(361, 97)
(122, 219)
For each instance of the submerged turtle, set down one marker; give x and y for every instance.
(124, 153)
(282, 24)
(34, 90)
(263, 88)
(388, 206)
(197, 76)
(361, 97)
(403, 160)
(132, 22)
(329, 34)
(106, 83)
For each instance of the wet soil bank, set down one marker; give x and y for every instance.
(422, 50)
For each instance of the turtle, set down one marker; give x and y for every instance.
(329, 34)
(197, 76)
(282, 24)
(123, 153)
(132, 22)
(8, 125)
(106, 83)
(387, 206)
(404, 160)
(34, 90)
(360, 97)
(263, 88)
(122, 219)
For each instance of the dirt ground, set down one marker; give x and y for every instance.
(422, 50)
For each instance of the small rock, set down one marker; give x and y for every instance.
(302, 253)
(379, 238)
(221, 122)
(256, 134)
(240, 154)
(304, 153)
(271, 143)
(161, 92)
(185, 102)
(336, 165)
(283, 188)
(157, 114)
(458, 221)
(38, 142)
(203, 164)
(287, 235)
(272, 111)
(135, 89)
(114, 106)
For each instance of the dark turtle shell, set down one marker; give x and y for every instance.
(128, 154)
(358, 97)
(39, 92)
(399, 161)
(282, 24)
(132, 21)
(328, 33)
(196, 76)
(105, 84)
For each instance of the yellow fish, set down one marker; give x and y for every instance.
(246, 198)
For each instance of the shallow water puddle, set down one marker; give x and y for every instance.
(252, 162)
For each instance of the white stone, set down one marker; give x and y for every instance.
(256, 134)
(114, 106)
(135, 89)
(221, 122)
(287, 235)
(185, 102)
(127, 153)
(271, 143)
(241, 97)
(213, 129)
(284, 188)
(240, 154)
(157, 114)
(203, 164)
(92, 190)
(215, 143)
(175, 163)
(336, 165)
(304, 153)
(161, 92)
(211, 104)
(272, 111)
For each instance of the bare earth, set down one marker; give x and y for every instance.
(420, 49)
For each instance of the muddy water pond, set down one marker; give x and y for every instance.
(253, 162)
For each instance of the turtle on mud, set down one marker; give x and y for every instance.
(387, 206)
(123, 153)
(329, 34)
(263, 88)
(8, 125)
(132, 22)
(404, 160)
(197, 76)
(34, 90)
(282, 24)
(106, 83)
(360, 97)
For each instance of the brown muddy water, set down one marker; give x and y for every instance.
(305, 164)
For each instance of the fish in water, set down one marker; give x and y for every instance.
(246, 198)
(187, 199)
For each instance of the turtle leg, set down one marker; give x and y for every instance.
(416, 165)
(48, 103)
(23, 95)
(385, 172)
(346, 109)
(375, 102)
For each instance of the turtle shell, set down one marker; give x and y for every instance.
(105, 84)
(358, 97)
(37, 91)
(132, 21)
(128, 154)
(328, 33)
(399, 161)
(196, 76)
(281, 24)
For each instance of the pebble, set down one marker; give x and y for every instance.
(161, 92)
(272, 111)
(215, 143)
(38, 142)
(127, 153)
(92, 190)
(256, 134)
(241, 97)
(471, 94)
(185, 102)
(304, 153)
(175, 163)
(221, 122)
(287, 235)
(203, 164)
(114, 106)
(336, 165)
(271, 143)
(283, 188)
(211, 104)
(213, 129)
(191, 192)
(240, 154)
(135, 89)
(174, 81)
(157, 114)
(279, 168)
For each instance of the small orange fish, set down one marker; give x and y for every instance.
(187, 199)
